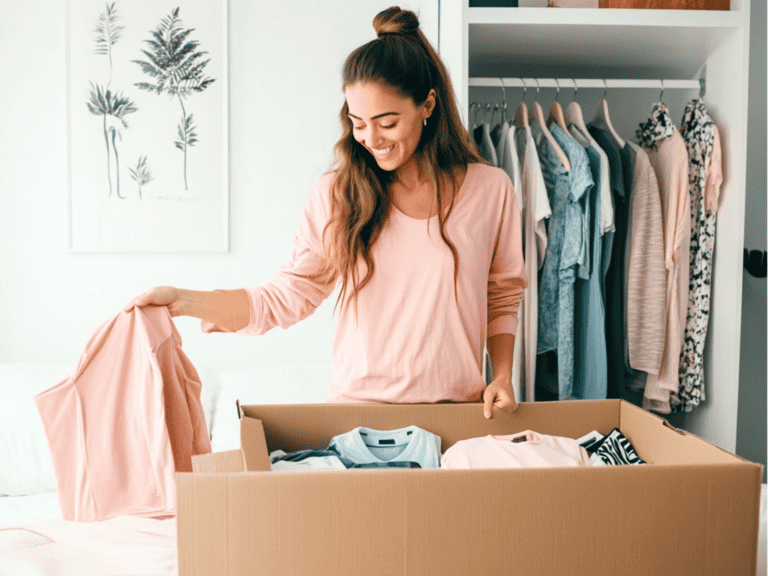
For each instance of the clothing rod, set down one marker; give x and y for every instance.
(568, 83)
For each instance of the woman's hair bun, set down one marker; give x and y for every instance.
(393, 20)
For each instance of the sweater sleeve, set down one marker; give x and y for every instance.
(646, 282)
(302, 283)
(507, 278)
(715, 175)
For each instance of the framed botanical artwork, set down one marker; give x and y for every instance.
(147, 125)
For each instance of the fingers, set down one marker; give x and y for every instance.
(154, 295)
(489, 397)
(494, 398)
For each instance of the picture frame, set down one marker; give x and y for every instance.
(147, 125)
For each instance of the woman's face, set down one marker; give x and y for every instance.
(388, 125)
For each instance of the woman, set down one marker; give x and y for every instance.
(423, 236)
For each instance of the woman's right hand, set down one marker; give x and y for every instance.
(159, 296)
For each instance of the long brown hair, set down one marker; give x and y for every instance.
(401, 59)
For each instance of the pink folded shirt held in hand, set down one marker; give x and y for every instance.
(125, 420)
(526, 449)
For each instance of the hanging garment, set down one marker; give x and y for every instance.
(506, 152)
(613, 264)
(565, 250)
(509, 159)
(125, 421)
(669, 157)
(645, 268)
(590, 356)
(526, 449)
(410, 444)
(713, 194)
(704, 176)
(484, 143)
(535, 211)
(411, 341)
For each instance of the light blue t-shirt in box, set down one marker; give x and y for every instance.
(409, 444)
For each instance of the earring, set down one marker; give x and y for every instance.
(425, 121)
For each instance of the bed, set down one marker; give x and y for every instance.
(35, 541)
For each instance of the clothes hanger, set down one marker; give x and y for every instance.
(603, 117)
(574, 116)
(556, 113)
(503, 101)
(495, 132)
(473, 116)
(538, 116)
(521, 114)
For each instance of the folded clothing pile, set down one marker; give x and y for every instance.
(414, 447)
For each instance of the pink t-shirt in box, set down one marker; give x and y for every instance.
(526, 449)
(125, 421)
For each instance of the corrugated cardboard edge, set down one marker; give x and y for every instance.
(696, 449)
(209, 502)
(219, 462)
(254, 445)
(629, 411)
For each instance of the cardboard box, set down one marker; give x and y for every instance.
(668, 4)
(694, 509)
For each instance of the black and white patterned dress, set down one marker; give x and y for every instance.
(698, 131)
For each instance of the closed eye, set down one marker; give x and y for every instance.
(386, 127)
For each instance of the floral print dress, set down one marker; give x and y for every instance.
(699, 132)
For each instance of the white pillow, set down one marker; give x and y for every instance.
(25, 459)
(294, 384)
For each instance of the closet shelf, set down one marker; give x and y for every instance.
(594, 43)
(586, 49)
(606, 17)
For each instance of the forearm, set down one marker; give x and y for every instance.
(228, 309)
(501, 349)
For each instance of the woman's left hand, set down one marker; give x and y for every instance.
(499, 394)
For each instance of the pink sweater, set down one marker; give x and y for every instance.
(412, 342)
(125, 421)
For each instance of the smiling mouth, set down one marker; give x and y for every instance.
(382, 152)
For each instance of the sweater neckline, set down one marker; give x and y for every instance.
(459, 195)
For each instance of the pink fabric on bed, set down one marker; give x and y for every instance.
(125, 420)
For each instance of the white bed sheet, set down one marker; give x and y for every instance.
(34, 539)
(15, 510)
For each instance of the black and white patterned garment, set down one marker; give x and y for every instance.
(698, 131)
(614, 450)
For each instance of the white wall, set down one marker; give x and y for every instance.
(285, 96)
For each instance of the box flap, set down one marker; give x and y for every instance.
(254, 445)
(219, 462)
(662, 443)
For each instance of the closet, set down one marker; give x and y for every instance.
(633, 51)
